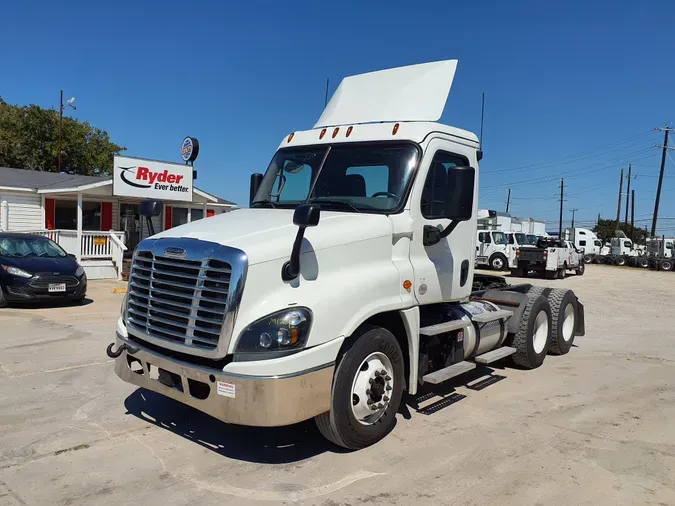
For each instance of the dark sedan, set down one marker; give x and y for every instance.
(36, 268)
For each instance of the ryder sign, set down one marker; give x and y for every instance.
(148, 179)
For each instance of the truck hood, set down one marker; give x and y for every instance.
(268, 234)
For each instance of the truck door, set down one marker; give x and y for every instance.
(443, 271)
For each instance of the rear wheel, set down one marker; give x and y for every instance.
(581, 269)
(643, 262)
(666, 265)
(367, 390)
(534, 333)
(620, 261)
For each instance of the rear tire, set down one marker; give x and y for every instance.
(581, 269)
(533, 338)
(620, 261)
(666, 265)
(643, 263)
(349, 423)
(563, 320)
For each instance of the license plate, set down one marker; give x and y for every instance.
(57, 287)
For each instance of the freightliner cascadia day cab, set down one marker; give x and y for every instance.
(349, 280)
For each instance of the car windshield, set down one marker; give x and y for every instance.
(348, 177)
(499, 237)
(21, 247)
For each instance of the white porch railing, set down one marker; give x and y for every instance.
(93, 246)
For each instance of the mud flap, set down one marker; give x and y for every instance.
(580, 322)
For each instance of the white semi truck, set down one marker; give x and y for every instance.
(586, 241)
(349, 280)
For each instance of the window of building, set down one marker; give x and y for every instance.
(434, 191)
(65, 215)
(179, 216)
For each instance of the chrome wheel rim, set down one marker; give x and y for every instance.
(540, 332)
(568, 322)
(372, 388)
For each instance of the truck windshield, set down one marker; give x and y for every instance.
(532, 239)
(346, 177)
(521, 239)
(499, 237)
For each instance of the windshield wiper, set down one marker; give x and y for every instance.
(336, 203)
(264, 203)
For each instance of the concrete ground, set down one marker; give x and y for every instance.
(595, 426)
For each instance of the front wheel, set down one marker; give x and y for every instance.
(498, 262)
(588, 259)
(666, 265)
(367, 390)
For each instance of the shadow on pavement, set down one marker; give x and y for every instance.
(273, 445)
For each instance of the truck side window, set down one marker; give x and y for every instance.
(627, 244)
(433, 193)
(582, 243)
(485, 238)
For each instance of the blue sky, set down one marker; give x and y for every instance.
(572, 88)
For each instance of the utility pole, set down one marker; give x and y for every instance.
(618, 207)
(60, 127)
(598, 223)
(69, 103)
(658, 188)
(573, 211)
(632, 216)
(627, 194)
(562, 192)
(508, 200)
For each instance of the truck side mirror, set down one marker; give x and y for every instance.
(459, 193)
(305, 215)
(256, 180)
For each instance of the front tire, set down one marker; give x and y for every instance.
(588, 259)
(498, 262)
(364, 400)
(533, 338)
(666, 265)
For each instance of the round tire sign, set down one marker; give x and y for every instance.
(189, 149)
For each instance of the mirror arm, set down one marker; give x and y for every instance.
(432, 235)
(291, 269)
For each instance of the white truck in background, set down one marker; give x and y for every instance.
(586, 241)
(492, 249)
(344, 284)
(660, 254)
(551, 259)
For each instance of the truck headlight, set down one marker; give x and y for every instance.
(281, 333)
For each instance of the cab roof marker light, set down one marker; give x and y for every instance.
(290, 137)
(349, 131)
(393, 132)
(323, 132)
(335, 132)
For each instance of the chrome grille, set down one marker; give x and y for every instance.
(182, 301)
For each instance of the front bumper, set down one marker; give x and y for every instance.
(34, 289)
(261, 401)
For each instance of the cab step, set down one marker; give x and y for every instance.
(490, 316)
(446, 373)
(441, 328)
(494, 355)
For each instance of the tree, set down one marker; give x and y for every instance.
(605, 230)
(29, 139)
